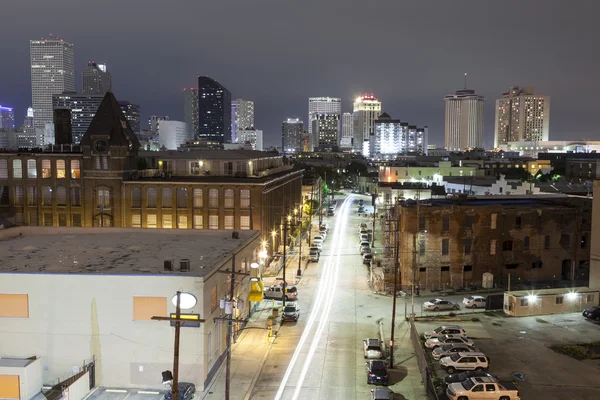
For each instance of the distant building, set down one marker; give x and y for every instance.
(322, 105)
(521, 115)
(52, 73)
(28, 120)
(95, 79)
(7, 118)
(366, 110)
(154, 122)
(464, 120)
(172, 134)
(326, 131)
(393, 137)
(252, 136)
(190, 109)
(83, 109)
(214, 111)
(534, 149)
(63, 131)
(292, 138)
(242, 116)
(347, 130)
(132, 115)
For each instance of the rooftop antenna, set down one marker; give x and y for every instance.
(465, 81)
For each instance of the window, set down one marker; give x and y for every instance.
(467, 268)
(518, 222)
(144, 308)
(198, 200)
(492, 247)
(445, 246)
(46, 196)
(4, 198)
(4, 169)
(167, 197)
(32, 196)
(181, 198)
(14, 305)
(75, 196)
(47, 219)
(445, 223)
(422, 247)
(18, 199)
(537, 264)
(445, 268)
(213, 198)
(213, 222)
(136, 197)
(167, 221)
(61, 196)
(151, 220)
(105, 163)
(33, 218)
(61, 169)
(31, 169)
(104, 198)
(589, 298)
(17, 169)
(46, 169)
(468, 222)
(136, 221)
(20, 218)
(421, 223)
(182, 222)
(526, 243)
(468, 245)
(244, 198)
(565, 239)
(583, 241)
(244, 222)
(75, 169)
(524, 302)
(229, 222)
(229, 200)
(214, 300)
(494, 217)
(539, 222)
(198, 222)
(422, 269)
(62, 219)
(507, 245)
(559, 300)
(151, 198)
(98, 163)
(547, 242)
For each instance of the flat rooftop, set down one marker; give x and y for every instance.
(550, 292)
(115, 251)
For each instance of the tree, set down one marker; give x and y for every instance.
(357, 168)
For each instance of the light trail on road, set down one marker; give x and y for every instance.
(321, 308)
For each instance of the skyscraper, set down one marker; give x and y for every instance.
(214, 111)
(7, 118)
(464, 120)
(132, 115)
(83, 108)
(252, 136)
(347, 131)
(172, 134)
(393, 137)
(521, 115)
(190, 109)
(242, 117)
(321, 105)
(326, 131)
(52, 72)
(366, 110)
(292, 136)
(95, 79)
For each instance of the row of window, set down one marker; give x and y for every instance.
(589, 298)
(182, 198)
(48, 219)
(32, 196)
(60, 170)
(197, 221)
(468, 224)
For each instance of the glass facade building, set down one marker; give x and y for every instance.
(214, 111)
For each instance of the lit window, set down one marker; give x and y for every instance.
(244, 222)
(104, 198)
(61, 171)
(151, 220)
(46, 169)
(198, 222)
(17, 169)
(75, 170)
(213, 222)
(31, 169)
(167, 221)
(244, 198)
(136, 221)
(198, 199)
(492, 247)
(229, 199)
(213, 198)
(182, 222)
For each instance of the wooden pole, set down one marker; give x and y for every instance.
(175, 388)
(394, 294)
(229, 331)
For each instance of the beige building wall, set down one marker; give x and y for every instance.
(595, 239)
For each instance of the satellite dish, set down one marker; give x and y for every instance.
(186, 300)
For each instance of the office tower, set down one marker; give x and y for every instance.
(252, 136)
(28, 121)
(154, 122)
(132, 115)
(95, 79)
(366, 110)
(63, 133)
(464, 120)
(52, 72)
(321, 105)
(172, 134)
(214, 111)
(292, 136)
(347, 131)
(393, 137)
(7, 118)
(83, 108)
(326, 131)
(242, 116)
(190, 109)
(521, 115)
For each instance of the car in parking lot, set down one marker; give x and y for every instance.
(367, 257)
(445, 330)
(449, 349)
(372, 349)
(363, 225)
(382, 393)
(447, 339)
(313, 254)
(440, 304)
(186, 391)
(377, 372)
(482, 389)
(317, 245)
(363, 249)
(465, 362)
(291, 312)
(592, 313)
(474, 302)
(364, 237)
(318, 239)
(453, 378)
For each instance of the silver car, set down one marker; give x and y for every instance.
(449, 349)
(372, 348)
(440, 304)
(447, 339)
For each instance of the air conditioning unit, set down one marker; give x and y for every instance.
(168, 265)
(235, 235)
(184, 265)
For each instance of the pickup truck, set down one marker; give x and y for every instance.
(276, 292)
(482, 388)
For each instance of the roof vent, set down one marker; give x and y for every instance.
(235, 235)
(168, 265)
(184, 265)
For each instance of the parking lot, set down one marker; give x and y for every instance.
(102, 393)
(521, 345)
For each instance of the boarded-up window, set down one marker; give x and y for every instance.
(14, 305)
(167, 197)
(18, 199)
(144, 308)
(136, 197)
(76, 221)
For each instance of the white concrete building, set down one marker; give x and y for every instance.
(521, 115)
(347, 130)
(393, 137)
(322, 105)
(464, 120)
(172, 134)
(242, 117)
(532, 149)
(252, 136)
(52, 72)
(366, 109)
(92, 292)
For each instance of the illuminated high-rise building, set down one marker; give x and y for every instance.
(95, 79)
(464, 120)
(292, 138)
(366, 110)
(326, 131)
(83, 109)
(214, 111)
(7, 118)
(393, 137)
(52, 72)
(322, 105)
(242, 117)
(190, 109)
(132, 115)
(521, 115)
(347, 131)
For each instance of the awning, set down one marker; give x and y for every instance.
(256, 291)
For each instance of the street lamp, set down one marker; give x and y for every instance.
(273, 235)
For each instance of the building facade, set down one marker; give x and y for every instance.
(366, 110)
(7, 118)
(172, 134)
(521, 115)
(322, 105)
(347, 130)
(214, 111)
(292, 136)
(83, 109)
(242, 117)
(155, 120)
(252, 136)
(52, 72)
(190, 109)
(132, 115)
(464, 120)
(393, 137)
(326, 131)
(95, 79)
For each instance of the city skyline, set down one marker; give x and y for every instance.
(415, 94)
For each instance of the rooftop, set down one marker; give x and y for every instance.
(550, 292)
(538, 200)
(207, 154)
(16, 362)
(115, 251)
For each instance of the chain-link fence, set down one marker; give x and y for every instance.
(422, 361)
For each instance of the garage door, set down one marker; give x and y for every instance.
(9, 387)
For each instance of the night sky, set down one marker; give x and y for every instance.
(410, 54)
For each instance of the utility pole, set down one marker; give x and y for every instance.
(394, 294)
(374, 218)
(312, 204)
(286, 221)
(321, 200)
(416, 256)
(299, 272)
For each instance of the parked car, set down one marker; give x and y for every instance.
(324, 226)
(372, 348)
(447, 339)
(474, 302)
(592, 313)
(186, 391)
(291, 312)
(382, 393)
(440, 304)
(466, 375)
(464, 362)
(330, 212)
(313, 254)
(276, 292)
(318, 238)
(445, 330)
(449, 349)
(361, 209)
(318, 245)
(482, 389)
(363, 225)
(377, 372)
(367, 257)
(364, 237)
(363, 249)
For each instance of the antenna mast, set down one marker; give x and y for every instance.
(465, 81)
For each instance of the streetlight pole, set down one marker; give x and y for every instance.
(299, 272)
(396, 268)
(175, 388)
(285, 235)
